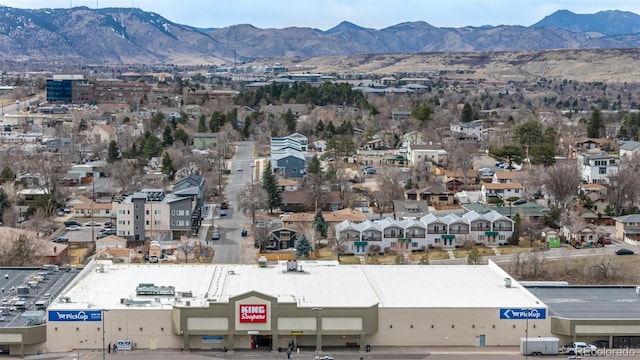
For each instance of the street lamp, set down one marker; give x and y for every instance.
(318, 333)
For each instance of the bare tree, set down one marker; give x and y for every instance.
(621, 189)
(602, 268)
(127, 175)
(252, 199)
(561, 182)
(339, 245)
(389, 189)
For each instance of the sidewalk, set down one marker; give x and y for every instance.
(342, 353)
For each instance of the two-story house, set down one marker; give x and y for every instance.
(426, 154)
(470, 130)
(596, 169)
(501, 190)
(628, 228)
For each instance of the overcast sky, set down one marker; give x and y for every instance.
(324, 14)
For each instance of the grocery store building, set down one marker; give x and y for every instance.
(308, 304)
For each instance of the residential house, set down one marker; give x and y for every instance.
(303, 140)
(53, 253)
(456, 179)
(400, 115)
(471, 130)
(502, 191)
(111, 242)
(583, 234)
(448, 230)
(490, 228)
(58, 144)
(82, 206)
(427, 154)
(628, 228)
(288, 164)
(410, 209)
(288, 185)
(434, 195)
(282, 238)
(320, 146)
(298, 220)
(300, 200)
(103, 134)
(590, 144)
(629, 149)
(506, 177)
(596, 169)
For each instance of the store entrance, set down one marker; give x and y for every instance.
(261, 342)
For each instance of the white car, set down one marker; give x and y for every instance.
(73, 228)
(404, 170)
(93, 223)
(239, 168)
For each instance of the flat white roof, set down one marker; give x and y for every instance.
(324, 284)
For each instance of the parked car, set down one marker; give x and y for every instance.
(285, 214)
(369, 171)
(215, 235)
(624, 252)
(72, 222)
(239, 168)
(484, 169)
(93, 223)
(107, 224)
(223, 212)
(520, 202)
(101, 236)
(73, 228)
(60, 239)
(488, 173)
(404, 170)
(253, 164)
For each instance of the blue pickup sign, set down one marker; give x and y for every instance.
(523, 314)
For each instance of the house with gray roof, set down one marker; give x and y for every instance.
(628, 228)
(629, 149)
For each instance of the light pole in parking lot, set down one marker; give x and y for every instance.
(318, 333)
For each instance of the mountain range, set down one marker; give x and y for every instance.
(130, 36)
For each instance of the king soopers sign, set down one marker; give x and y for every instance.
(252, 313)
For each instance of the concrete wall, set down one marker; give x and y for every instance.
(452, 327)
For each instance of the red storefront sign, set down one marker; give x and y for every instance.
(253, 313)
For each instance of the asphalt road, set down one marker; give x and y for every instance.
(228, 248)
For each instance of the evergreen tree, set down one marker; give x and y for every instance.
(7, 175)
(467, 114)
(182, 135)
(113, 152)
(320, 129)
(202, 124)
(319, 225)
(595, 125)
(314, 166)
(270, 185)
(5, 203)
(515, 237)
(422, 112)
(167, 164)
(167, 136)
(303, 248)
(289, 121)
(331, 130)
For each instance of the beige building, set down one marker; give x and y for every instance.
(271, 306)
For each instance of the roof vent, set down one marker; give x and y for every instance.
(507, 282)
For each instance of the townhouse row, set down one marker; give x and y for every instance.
(490, 228)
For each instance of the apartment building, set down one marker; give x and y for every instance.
(491, 228)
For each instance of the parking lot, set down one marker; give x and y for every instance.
(84, 233)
